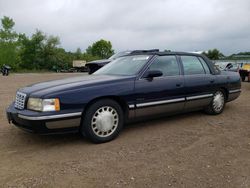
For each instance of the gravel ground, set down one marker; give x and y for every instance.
(189, 150)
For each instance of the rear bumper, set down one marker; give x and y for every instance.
(233, 94)
(44, 124)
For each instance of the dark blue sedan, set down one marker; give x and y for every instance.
(142, 84)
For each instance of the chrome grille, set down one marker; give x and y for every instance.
(20, 100)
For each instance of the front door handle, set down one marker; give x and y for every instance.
(211, 81)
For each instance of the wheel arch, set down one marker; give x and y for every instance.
(226, 91)
(123, 104)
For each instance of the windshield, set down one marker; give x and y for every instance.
(115, 56)
(127, 65)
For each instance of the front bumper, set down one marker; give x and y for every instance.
(44, 123)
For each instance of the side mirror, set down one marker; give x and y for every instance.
(153, 73)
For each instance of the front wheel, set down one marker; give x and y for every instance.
(102, 121)
(217, 104)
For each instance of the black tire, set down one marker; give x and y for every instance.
(243, 78)
(215, 107)
(102, 121)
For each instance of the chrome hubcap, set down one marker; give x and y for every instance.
(105, 121)
(218, 101)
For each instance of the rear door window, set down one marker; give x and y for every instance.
(192, 65)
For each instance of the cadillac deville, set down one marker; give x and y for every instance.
(139, 85)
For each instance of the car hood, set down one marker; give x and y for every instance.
(49, 87)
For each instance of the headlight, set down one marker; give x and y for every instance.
(43, 105)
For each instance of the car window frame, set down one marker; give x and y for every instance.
(141, 77)
(198, 60)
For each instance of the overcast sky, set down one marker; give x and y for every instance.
(178, 25)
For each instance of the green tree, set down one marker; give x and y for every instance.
(101, 48)
(31, 51)
(63, 59)
(89, 50)
(49, 50)
(78, 54)
(214, 54)
(8, 43)
(88, 57)
(39, 51)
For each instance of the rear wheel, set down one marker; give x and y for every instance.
(217, 104)
(102, 121)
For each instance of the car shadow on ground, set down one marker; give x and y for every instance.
(24, 138)
(162, 121)
(146, 124)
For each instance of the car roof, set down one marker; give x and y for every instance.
(208, 61)
(137, 52)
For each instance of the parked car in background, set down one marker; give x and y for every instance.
(97, 64)
(80, 66)
(228, 66)
(139, 85)
(77, 66)
(245, 72)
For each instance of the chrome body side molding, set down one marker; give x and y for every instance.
(160, 102)
(36, 118)
(199, 96)
(182, 99)
(234, 91)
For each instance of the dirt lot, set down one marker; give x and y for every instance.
(190, 150)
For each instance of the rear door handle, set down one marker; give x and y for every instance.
(211, 81)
